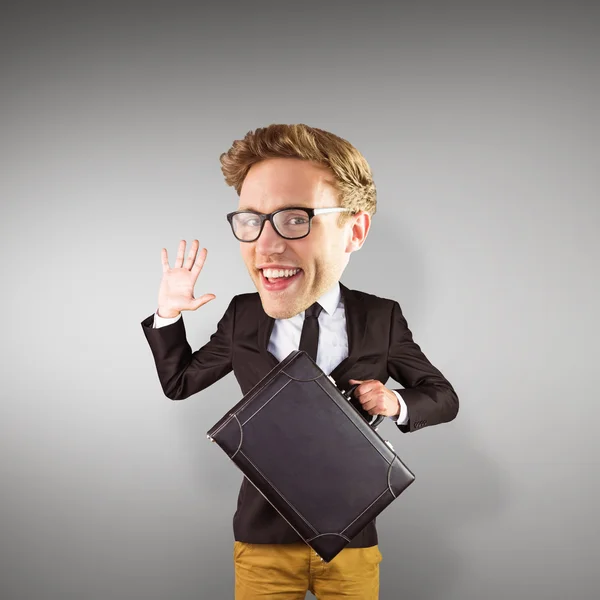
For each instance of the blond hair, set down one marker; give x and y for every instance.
(352, 175)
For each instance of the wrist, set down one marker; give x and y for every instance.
(167, 314)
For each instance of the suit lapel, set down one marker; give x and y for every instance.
(265, 327)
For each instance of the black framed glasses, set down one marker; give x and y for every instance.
(291, 223)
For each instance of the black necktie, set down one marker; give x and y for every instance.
(309, 338)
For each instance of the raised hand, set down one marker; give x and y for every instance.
(176, 292)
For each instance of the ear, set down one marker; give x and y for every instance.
(358, 226)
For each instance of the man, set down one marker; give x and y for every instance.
(306, 199)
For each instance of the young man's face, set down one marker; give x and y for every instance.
(322, 255)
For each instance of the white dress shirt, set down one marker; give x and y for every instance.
(333, 338)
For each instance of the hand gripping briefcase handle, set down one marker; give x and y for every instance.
(375, 419)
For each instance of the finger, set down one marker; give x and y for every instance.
(199, 261)
(373, 394)
(364, 386)
(372, 407)
(165, 259)
(180, 253)
(357, 389)
(203, 300)
(192, 254)
(368, 401)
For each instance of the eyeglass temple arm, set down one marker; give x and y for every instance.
(328, 210)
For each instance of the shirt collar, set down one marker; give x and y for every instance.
(330, 299)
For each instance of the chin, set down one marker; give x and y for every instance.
(275, 310)
(285, 306)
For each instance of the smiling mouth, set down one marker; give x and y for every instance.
(279, 283)
(278, 273)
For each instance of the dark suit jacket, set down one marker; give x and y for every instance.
(380, 346)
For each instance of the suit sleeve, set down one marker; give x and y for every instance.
(429, 396)
(182, 372)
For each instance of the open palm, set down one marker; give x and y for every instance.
(176, 291)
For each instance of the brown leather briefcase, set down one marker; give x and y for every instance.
(311, 453)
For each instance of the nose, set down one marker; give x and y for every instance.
(269, 242)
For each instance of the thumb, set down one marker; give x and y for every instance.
(202, 300)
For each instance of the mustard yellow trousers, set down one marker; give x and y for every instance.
(287, 571)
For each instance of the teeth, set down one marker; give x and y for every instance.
(275, 273)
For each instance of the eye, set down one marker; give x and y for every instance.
(248, 220)
(297, 221)
(294, 217)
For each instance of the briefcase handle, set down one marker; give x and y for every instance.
(375, 419)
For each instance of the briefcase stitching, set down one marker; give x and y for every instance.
(241, 435)
(316, 380)
(234, 415)
(255, 389)
(218, 429)
(364, 511)
(265, 381)
(357, 427)
(281, 514)
(330, 533)
(389, 475)
(267, 402)
(298, 379)
(274, 487)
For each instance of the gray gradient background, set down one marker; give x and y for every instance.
(481, 125)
